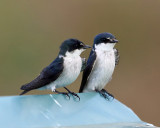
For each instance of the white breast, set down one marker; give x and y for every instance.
(102, 72)
(72, 68)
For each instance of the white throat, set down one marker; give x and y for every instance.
(74, 53)
(105, 47)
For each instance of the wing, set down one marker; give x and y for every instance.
(48, 75)
(90, 64)
(117, 56)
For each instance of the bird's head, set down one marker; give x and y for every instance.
(104, 41)
(72, 47)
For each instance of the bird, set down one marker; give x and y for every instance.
(62, 71)
(100, 65)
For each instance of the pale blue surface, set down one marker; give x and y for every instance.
(54, 110)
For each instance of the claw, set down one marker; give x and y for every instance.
(63, 93)
(66, 94)
(72, 93)
(75, 95)
(105, 94)
(110, 95)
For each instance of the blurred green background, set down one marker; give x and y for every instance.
(31, 32)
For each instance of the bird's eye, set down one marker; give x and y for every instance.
(76, 45)
(105, 40)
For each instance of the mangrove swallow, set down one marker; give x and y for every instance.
(100, 65)
(62, 71)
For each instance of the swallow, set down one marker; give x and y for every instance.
(100, 65)
(63, 71)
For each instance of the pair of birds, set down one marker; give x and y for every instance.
(65, 69)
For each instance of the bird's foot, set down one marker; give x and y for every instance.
(63, 93)
(109, 94)
(105, 94)
(72, 93)
(75, 95)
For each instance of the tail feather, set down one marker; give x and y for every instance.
(34, 84)
(25, 91)
(25, 88)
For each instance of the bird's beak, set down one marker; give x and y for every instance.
(86, 46)
(113, 40)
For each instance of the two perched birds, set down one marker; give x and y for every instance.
(65, 69)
